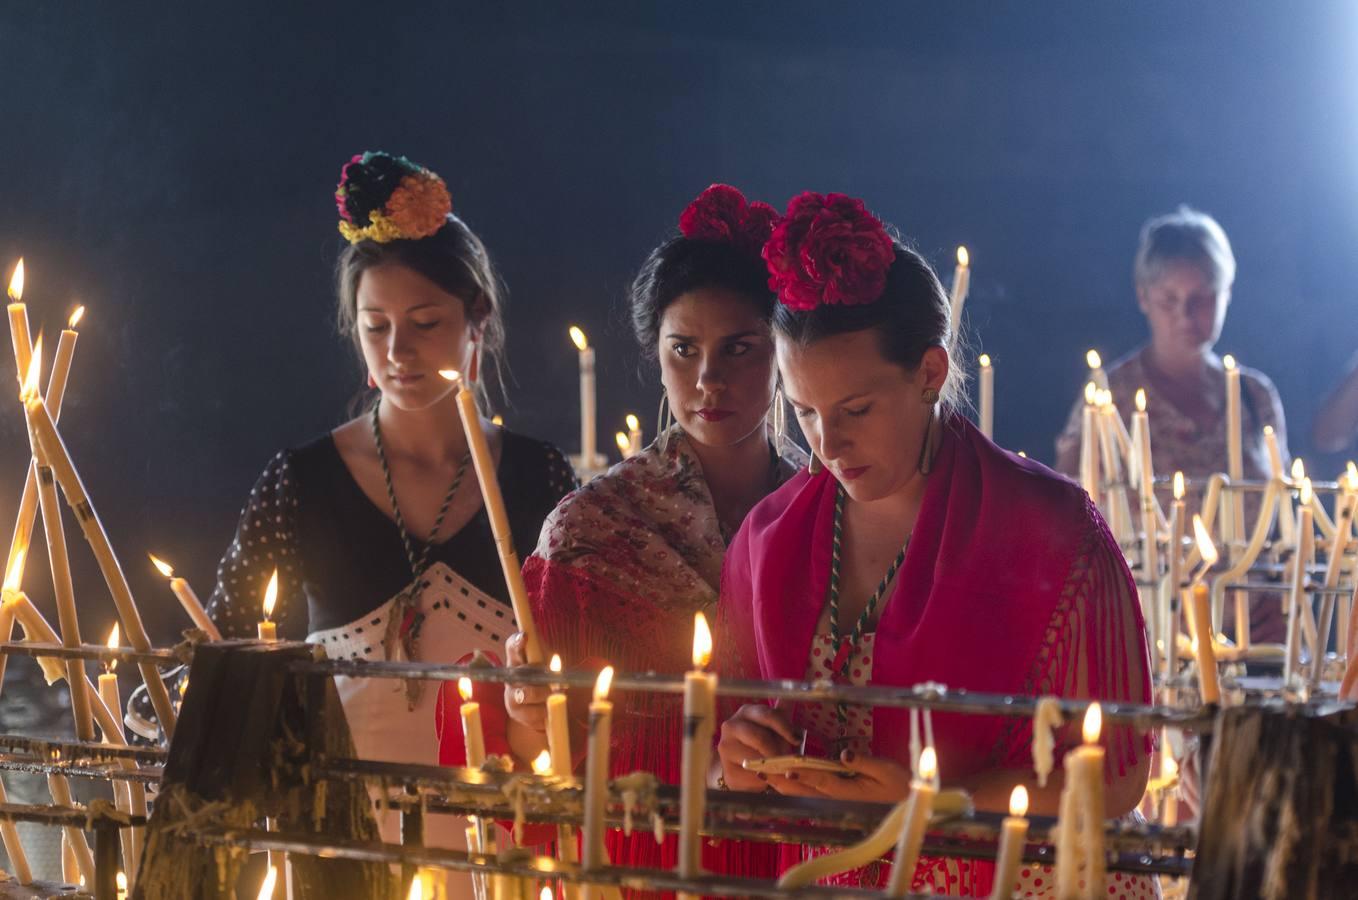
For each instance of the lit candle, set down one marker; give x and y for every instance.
(497, 420)
(634, 433)
(1089, 446)
(1298, 603)
(596, 775)
(41, 424)
(122, 790)
(987, 396)
(493, 500)
(472, 735)
(1235, 465)
(624, 444)
(961, 283)
(559, 745)
(923, 790)
(266, 887)
(1200, 619)
(188, 599)
(700, 707)
(1150, 543)
(1096, 372)
(18, 321)
(120, 882)
(588, 428)
(268, 628)
(1013, 833)
(1119, 510)
(62, 586)
(1079, 831)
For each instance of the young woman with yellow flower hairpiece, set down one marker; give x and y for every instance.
(377, 531)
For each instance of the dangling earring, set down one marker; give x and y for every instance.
(926, 450)
(474, 368)
(815, 467)
(372, 382)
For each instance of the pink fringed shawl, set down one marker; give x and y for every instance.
(1012, 584)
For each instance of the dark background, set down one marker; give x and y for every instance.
(173, 169)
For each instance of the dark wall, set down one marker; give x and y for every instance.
(174, 170)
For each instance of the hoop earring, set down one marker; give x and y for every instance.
(664, 418)
(778, 417)
(474, 368)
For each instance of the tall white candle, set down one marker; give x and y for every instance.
(559, 747)
(1200, 617)
(987, 416)
(1235, 464)
(596, 775)
(1089, 444)
(961, 284)
(634, 433)
(472, 735)
(588, 424)
(1150, 542)
(1173, 585)
(923, 790)
(493, 501)
(1013, 833)
(700, 707)
(1298, 601)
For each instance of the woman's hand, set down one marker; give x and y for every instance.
(756, 731)
(526, 705)
(876, 779)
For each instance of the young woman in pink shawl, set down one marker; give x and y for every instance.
(913, 550)
(623, 563)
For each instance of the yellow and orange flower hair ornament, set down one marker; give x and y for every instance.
(385, 198)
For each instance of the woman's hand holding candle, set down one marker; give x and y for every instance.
(756, 731)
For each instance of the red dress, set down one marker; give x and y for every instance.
(1011, 584)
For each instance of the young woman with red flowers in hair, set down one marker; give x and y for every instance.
(914, 550)
(376, 530)
(624, 563)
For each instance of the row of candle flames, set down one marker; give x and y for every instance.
(1079, 834)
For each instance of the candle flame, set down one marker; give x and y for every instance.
(1228, 361)
(75, 318)
(1140, 399)
(928, 764)
(603, 683)
(165, 568)
(1018, 802)
(450, 374)
(1306, 492)
(1268, 431)
(633, 423)
(1204, 541)
(555, 664)
(702, 641)
(1352, 471)
(1105, 399)
(1091, 393)
(578, 337)
(546, 894)
(270, 595)
(121, 881)
(1022, 454)
(1168, 767)
(266, 888)
(1298, 469)
(464, 687)
(29, 391)
(113, 637)
(542, 764)
(14, 575)
(16, 283)
(1093, 359)
(416, 889)
(963, 257)
(1178, 485)
(984, 360)
(497, 419)
(624, 442)
(1093, 723)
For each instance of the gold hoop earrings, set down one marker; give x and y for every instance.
(664, 418)
(778, 417)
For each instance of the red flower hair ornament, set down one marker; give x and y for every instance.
(721, 214)
(828, 249)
